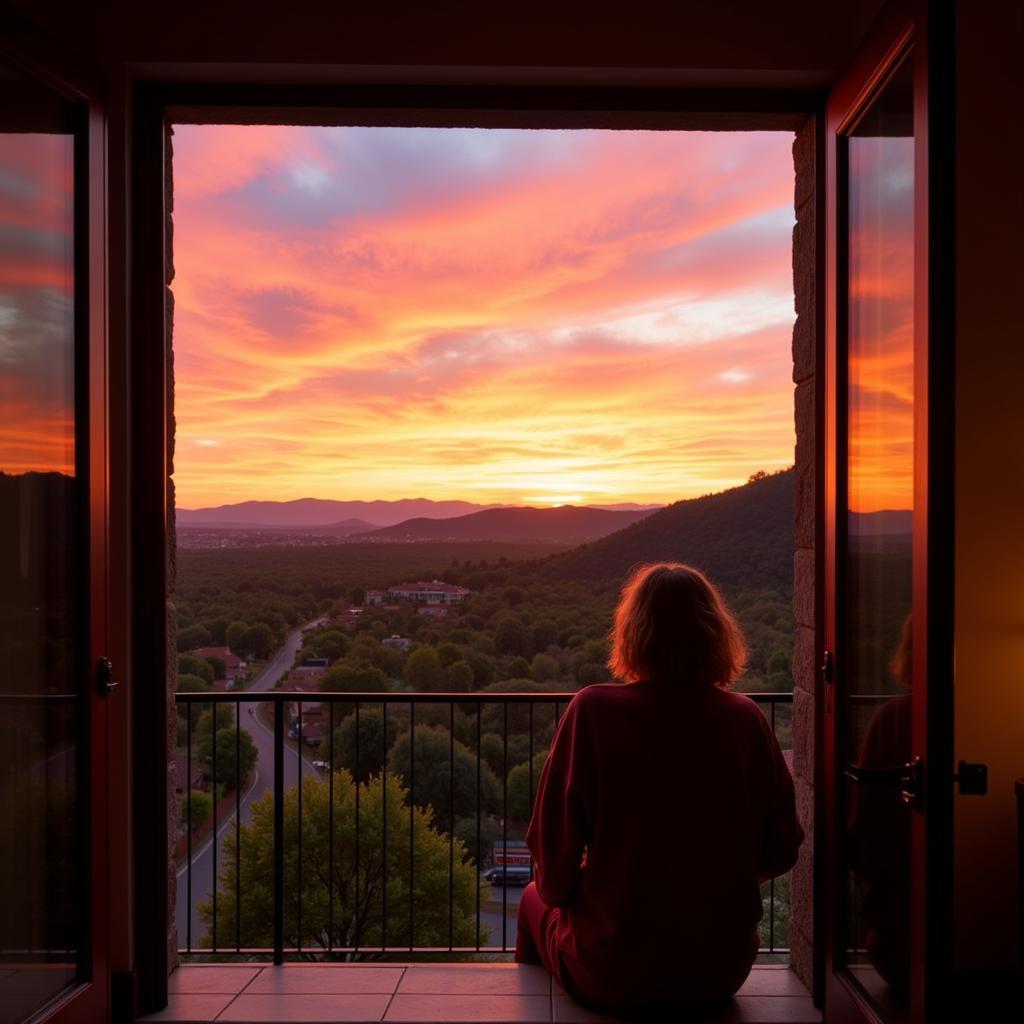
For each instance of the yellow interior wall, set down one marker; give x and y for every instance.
(989, 702)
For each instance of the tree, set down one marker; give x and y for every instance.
(234, 635)
(348, 676)
(189, 683)
(482, 666)
(518, 668)
(202, 807)
(342, 898)
(236, 756)
(449, 653)
(460, 677)
(192, 637)
(258, 641)
(544, 668)
(543, 634)
(431, 775)
(218, 628)
(368, 756)
(189, 664)
(520, 795)
(218, 666)
(510, 635)
(424, 671)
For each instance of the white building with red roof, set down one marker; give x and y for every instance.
(434, 592)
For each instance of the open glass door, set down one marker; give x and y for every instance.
(53, 945)
(878, 701)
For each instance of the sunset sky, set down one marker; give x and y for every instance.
(500, 316)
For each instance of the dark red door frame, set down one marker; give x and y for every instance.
(928, 28)
(42, 59)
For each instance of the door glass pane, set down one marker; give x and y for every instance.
(876, 667)
(40, 557)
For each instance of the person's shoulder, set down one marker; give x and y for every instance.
(599, 695)
(740, 706)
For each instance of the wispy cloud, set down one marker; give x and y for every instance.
(481, 314)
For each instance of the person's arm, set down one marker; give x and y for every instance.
(782, 834)
(561, 815)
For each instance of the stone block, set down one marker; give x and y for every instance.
(804, 789)
(803, 587)
(803, 163)
(803, 735)
(805, 661)
(805, 496)
(804, 348)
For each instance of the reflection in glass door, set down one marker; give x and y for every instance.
(874, 714)
(43, 640)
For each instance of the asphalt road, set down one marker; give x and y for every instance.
(202, 874)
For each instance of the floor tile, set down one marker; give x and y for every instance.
(468, 1009)
(476, 979)
(199, 978)
(327, 978)
(772, 981)
(190, 1007)
(305, 1008)
(768, 1010)
(566, 1011)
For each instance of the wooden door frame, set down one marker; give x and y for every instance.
(40, 58)
(928, 28)
(211, 101)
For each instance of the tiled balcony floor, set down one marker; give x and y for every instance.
(454, 993)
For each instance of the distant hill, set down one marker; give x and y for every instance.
(321, 512)
(742, 538)
(888, 522)
(568, 523)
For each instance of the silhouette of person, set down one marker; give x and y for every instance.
(663, 803)
(880, 829)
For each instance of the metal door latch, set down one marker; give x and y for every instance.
(971, 779)
(105, 677)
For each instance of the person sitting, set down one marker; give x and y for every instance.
(664, 802)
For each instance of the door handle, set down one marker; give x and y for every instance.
(907, 778)
(105, 682)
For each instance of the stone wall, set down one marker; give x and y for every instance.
(805, 356)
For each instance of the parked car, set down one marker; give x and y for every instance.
(322, 766)
(511, 875)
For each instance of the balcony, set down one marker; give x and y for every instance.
(266, 904)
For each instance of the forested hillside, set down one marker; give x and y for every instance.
(742, 538)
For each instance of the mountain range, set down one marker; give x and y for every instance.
(565, 524)
(346, 517)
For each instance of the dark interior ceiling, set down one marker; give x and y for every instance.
(787, 44)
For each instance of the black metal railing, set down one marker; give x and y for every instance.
(275, 878)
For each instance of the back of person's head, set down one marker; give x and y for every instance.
(671, 624)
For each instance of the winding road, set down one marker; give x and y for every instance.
(190, 928)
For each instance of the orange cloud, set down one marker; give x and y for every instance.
(488, 315)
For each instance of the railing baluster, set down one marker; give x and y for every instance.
(238, 827)
(298, 824)
(504, 836)
(451, 824)
(478, 812)
(359, 923)
(771, 881)
(529, 797)
(330, 830)
(213, 715)
(188, 824)
(384, 833)
(279, 833)
(412, 804)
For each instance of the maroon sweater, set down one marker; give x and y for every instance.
(659, 809)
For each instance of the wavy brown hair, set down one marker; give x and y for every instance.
(672, 624)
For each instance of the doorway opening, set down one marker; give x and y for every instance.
(505, 323)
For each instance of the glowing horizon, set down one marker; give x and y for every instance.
(524, 317)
